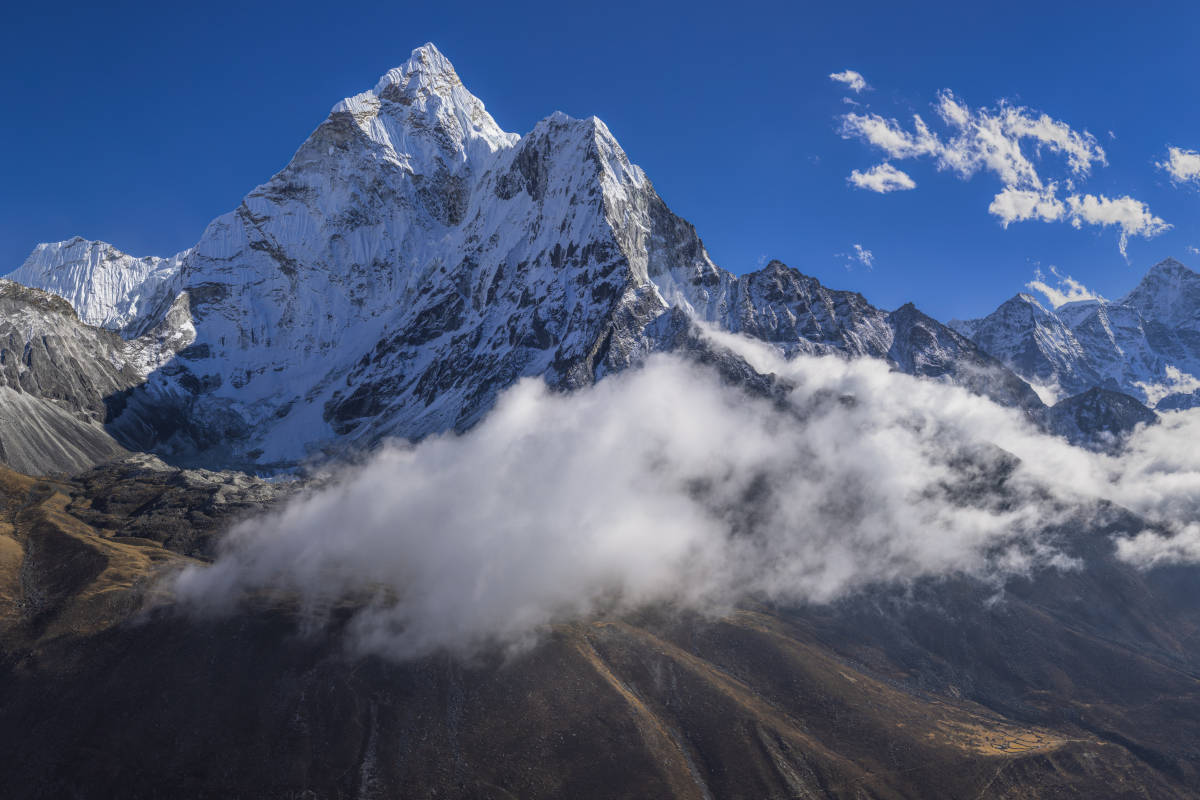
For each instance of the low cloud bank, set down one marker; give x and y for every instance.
(663, 485)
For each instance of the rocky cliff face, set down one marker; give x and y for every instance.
(61, 380)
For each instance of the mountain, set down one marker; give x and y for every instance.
(1147, 344)
(1033, 341)
(413, 260)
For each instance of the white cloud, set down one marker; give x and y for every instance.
(1153, 549)
(865, 256)
(1182, 165)
(1017, 205)
(1066, 290)
(882, 178)
(1132, 216)
(984, 139)
(635, 491)
(887, 135)
(1191, 248)
(853, 80)
(1008, 142)
(1176, 382)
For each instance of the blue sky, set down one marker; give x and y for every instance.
(138, 124)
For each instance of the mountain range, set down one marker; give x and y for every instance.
(412, 260)
(1146, 344)
(410, 264)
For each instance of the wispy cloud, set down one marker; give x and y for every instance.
(854, 81)
(1005, 142)
(864, 256)
(882, 178)
(1152, 548)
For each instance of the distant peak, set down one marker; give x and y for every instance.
(1169, 266)
(1024, 299)
(1167, 272)
(1169, 288)
(76, 247)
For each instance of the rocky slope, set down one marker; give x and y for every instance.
(413, 259)
(1147, 344)
(60, 379)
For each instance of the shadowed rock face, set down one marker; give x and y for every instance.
(1098, 418)
(1074, 684)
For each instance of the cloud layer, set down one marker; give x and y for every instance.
(662, 485)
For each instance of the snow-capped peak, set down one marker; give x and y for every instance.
(1144, 344)
(413, 259)
(107, 288)
(426, 70)
(426, 96)
(1169, 295)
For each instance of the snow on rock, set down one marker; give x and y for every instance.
(106, 287)
(1147, 344)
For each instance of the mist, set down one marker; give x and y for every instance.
(661, 485)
